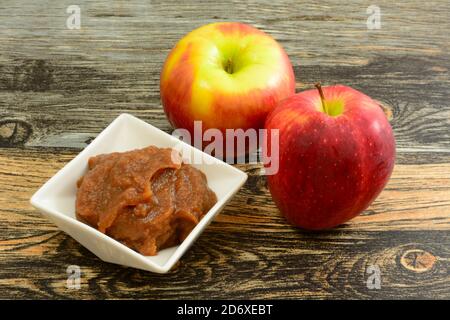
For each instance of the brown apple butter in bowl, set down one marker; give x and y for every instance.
(146, 198)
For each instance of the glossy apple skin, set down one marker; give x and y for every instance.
(194, 84)
(330, 168)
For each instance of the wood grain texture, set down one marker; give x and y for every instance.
(59, 88)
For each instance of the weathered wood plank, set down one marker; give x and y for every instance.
(67, 117)
(69, 84)
(59, 88)
(416, 198)
(286, 265)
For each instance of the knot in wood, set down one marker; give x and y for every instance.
(14, 132)
(418, 260)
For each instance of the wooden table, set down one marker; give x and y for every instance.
(60, 87)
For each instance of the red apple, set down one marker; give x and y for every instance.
(336, 154)
(228, 75)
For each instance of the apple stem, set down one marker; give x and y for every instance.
(322, 97)
(229, 66)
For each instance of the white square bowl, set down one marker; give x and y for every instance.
(56, 198)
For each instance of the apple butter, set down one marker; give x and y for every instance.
(148, 199)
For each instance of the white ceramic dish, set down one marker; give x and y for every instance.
(56, 198)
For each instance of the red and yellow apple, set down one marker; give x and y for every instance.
(227, 75)
(336, 154)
